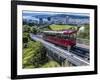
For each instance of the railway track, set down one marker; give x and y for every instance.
(79, 51)
(82, 52)
(72, 57)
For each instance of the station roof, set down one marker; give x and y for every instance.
(61, 32)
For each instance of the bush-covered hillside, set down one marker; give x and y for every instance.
(34, 53)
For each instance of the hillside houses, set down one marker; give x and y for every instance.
(60, 19)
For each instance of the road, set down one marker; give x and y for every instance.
(61, 52)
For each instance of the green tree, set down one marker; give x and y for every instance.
(85, 33)
(26, 28)
(34, 30)
(34, 55)
(25, 39)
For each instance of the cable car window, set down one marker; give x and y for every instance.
(65, 37)
(59, 36)
(71, 36)
(74, 36)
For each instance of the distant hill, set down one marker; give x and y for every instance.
(68, 15)
(56, 18)
(60, 15)
(41, 15)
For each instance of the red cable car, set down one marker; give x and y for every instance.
(66, 38)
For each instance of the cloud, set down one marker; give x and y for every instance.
(26, 17)
(52, 13)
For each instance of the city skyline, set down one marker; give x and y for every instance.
(56, 17)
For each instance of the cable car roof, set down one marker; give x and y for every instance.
(61, 32)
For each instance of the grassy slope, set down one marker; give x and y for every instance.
(51, 63)
(61, 27)
(28, 54)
